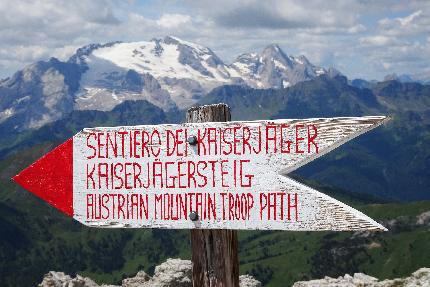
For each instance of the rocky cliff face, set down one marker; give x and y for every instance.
(39, 94)
(172, 273)
(272, 68)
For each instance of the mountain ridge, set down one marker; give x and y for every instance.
(170, 73)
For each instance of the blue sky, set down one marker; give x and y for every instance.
(362, 38)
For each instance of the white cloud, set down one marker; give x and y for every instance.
(173, 20)
(286, 14)
(417, 22)
(33, 30)
(378, 40)
(397, 43)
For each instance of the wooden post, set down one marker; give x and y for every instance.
(214, 252)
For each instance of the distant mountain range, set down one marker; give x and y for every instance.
(169, 72)
(423, 78)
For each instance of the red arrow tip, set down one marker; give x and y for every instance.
(51, 177)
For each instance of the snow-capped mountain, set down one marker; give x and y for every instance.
(169, 72)
(274, 69)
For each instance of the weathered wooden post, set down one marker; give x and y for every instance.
(214, 251)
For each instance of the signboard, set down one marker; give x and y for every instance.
(215, 175)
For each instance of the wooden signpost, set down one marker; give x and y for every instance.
(209, 175)
(214, 252)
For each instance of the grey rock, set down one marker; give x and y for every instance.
(408, 222)
(139, 280)
(39, 94)
(59, 279)
(272, 68)
(248, 281)
(118, 86)
(79, 57)
(187, 56)
(158, 50)
(172, 273)
(421, 277)
(187, 91)
(423, 219)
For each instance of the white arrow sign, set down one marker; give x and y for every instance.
(228, 175)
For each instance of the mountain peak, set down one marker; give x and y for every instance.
(274, 54)
(274, 49)
(302, 60)
(173, 40)
(273, 68)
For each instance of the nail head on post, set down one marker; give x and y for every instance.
(192, 140)
(193, 216)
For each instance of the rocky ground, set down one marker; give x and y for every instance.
(172, 273)
(421, 277)
(177, 273)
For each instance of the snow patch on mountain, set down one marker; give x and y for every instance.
(181, 73)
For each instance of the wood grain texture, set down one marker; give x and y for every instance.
(215, 258)
(214, 252)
